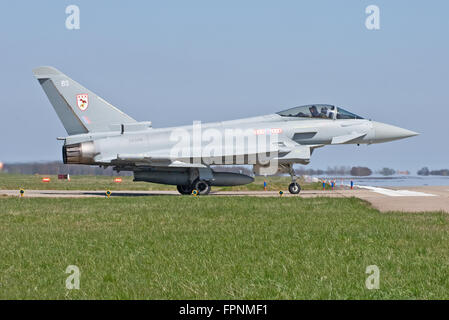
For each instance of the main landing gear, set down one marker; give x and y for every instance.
(184, 189)
(202, 186)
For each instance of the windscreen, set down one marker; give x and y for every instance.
(322, 111)
(343, 114)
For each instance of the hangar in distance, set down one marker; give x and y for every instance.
(100, 134)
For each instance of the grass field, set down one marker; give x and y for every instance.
(34, 182)
(219, 248)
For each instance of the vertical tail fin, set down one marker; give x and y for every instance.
(79, 109)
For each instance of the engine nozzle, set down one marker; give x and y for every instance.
(79, 153)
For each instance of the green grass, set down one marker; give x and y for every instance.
(170, 247)
(34, 182)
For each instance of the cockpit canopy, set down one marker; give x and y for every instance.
(320, 111)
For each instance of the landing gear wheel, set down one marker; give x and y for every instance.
(294, 188)
(184, 189)
(202, 186)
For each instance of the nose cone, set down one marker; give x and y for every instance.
(385, 132)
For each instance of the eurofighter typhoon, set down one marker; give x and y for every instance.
(100, 134)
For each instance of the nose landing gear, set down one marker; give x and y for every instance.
(294, 188)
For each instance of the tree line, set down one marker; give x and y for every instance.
(425, 171)
(57, 167)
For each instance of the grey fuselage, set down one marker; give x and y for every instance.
(101, 134)
(144, 150)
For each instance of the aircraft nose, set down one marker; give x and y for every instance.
(384, 132)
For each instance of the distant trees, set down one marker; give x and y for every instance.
(337, 170)
(442, 172)
(387, 172)
(57, 167)
(360, 171)
(309, 172)
(425, 172)
(342, 170)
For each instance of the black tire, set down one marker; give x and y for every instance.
(184, 189)
(202, 186)
(294, 188)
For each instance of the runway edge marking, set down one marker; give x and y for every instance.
(397, 193)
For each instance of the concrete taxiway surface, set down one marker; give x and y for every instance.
(409, 199)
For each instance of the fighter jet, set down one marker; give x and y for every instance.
(186, 156)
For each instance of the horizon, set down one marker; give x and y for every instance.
(375, 170)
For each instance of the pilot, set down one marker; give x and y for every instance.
(327, 112)
(324, 112)
(314, 112)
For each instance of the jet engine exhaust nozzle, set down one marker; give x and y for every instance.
(79, 153)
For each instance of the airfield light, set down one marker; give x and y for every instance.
(118, 180)
(22, 192)
(108, 193)
(195, 192)
(281, 193)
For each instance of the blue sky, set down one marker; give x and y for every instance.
(172, 62)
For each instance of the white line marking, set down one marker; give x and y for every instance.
(397, 193)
